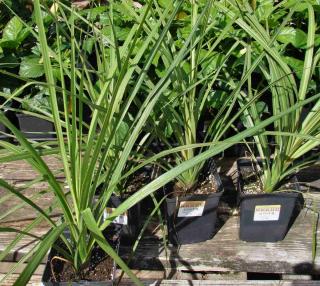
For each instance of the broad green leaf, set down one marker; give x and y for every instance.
(317, 40)
(166, 3)
(217, 98)
(296, 37)
(12, 30)
(262, 107)
(14, 33)
(121, 32)
(264, 9)
(31, 67)
(296, 64)
(39, 101)
(88, 45)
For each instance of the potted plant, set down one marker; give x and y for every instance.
(79, 232)
(84, 156)
(99, 157)
(131, 223)
(197, 111)
(268, 190)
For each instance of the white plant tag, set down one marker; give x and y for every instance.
(191, 208)
(267, 213)
(121, 219)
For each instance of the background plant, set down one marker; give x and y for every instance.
(109, 91)
(284, 80)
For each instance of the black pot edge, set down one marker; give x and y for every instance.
(23, 115)
(290, 194)
(241, 195)
(195, 196)
(33, 135)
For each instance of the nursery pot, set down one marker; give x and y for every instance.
(192, 218)
(35, 128)
(47, 277)
(129, 224)
(3, 130)
(267, 217)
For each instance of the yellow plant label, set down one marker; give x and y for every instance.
(267, 213)
(191, 208)
(121, 219)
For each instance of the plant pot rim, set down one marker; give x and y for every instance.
(23, 115)
(196, 197)
(292, 191)
(285, 194)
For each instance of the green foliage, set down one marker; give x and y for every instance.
(13, 34)
(286, 80)
(153, 72)
(31, 67)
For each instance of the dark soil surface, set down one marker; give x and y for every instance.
(100, 268)
(251, 180)
(140, 179)
(137, 182)
(208, 186)
(252, 183)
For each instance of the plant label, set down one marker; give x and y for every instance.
(267, 213)
(191, 208)
(121, 219)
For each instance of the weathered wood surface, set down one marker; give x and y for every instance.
(234, 282)
(227, 283)
(14, 213)
(5, 267)
(22, 171)
(226, 252)
(223, 253)
(209, 283)
(21, 175)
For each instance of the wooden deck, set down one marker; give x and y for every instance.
(224, 260)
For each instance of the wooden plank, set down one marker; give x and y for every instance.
(226, 251)
(5, 267)
(184, 275)
(23, 171)
(9, 281)
(14, 211)
(35, 280)
(210, 283)
(232, 282)
(25, 245)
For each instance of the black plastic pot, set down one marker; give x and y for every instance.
(36, 128)
(192, 218)
(267, 217)
(3, 130)
(128, 224)
(47, 274)
(187, 230)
